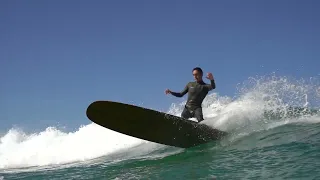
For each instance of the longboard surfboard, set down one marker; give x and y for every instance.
(151, 125)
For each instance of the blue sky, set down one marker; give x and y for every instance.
(57, 57)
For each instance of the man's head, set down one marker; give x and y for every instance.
(197, 73)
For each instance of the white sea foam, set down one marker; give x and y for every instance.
(53, 146)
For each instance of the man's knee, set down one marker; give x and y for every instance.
(199, 114)
(185, 114)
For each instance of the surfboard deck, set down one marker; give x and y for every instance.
(151, 125)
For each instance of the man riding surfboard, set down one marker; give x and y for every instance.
(197, 91)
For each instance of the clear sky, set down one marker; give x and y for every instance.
(56, 57)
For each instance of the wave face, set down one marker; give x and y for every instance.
(273, 123)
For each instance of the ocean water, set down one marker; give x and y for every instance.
(274, 133)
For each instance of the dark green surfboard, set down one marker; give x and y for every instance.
(151, 125)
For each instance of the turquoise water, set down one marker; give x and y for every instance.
(286, 152)
(266, 141)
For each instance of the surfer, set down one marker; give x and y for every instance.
(197, 91)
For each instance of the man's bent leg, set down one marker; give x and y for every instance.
(186, 114)
(198, 114)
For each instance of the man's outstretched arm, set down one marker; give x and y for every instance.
(178, 94)
(212, 84)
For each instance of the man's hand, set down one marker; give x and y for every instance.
(209, 76)
(168, 91)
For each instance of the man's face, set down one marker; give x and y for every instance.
(197, 75)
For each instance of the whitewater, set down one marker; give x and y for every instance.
(273, 122)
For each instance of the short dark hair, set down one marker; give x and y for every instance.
(198, 69)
